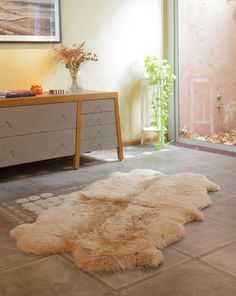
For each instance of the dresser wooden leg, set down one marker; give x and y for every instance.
(76, 162)
(120, 153)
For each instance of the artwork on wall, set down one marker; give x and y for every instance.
(30, 21)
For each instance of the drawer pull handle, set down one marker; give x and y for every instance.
(63, 145)
(98, 134)
(98, 109)
(65, 118)
(99, 147)
(98, 121)
(58, 149)
(12, 154)
(9, 124)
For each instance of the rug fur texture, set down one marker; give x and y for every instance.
(120, 222)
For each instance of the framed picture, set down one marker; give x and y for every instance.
(30, 21)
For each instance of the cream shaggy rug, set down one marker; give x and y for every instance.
(120, 222)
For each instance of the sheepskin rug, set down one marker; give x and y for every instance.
(120, 222)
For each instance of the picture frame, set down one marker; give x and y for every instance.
(30, 21)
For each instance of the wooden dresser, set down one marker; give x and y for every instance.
(51, 126)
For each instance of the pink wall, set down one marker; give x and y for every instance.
(207, 39)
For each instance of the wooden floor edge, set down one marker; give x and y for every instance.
(138, 142)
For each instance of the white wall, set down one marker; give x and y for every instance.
(121, 32)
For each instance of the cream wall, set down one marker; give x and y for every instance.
(121, 32)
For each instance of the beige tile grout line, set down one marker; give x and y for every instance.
(231, 242)
(136, 282)
(90, 275)
(199, 257)
(220, 222)
(42, 257)
(191, 258)
(206, 253)
(219, 270)
(153, 275)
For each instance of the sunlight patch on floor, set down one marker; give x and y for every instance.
(110, 159)
(129, 156)
(147, 153)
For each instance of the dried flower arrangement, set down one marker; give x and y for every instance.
(72, 58)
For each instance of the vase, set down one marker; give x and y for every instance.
(74, 72)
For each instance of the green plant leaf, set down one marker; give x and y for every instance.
(161, 78)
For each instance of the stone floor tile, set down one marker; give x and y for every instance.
(123, 278)
(46, 277)
(11, 256)
(188, 167)
(233, 170)
(224, 258)
(55, 275)
(60, 179)
(224, 163)
(226, 180)
(224, 212)
(220, 196)
(189, 279)
(112, 293)
(204, 236)
(229, 290)
(26, 170)
(16, 188)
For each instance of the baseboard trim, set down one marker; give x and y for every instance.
(138, 142)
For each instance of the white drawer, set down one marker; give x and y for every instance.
(93, 132)
(96, 106)
(95, 119)
(37, 118)
(21, 149)
(98, 144)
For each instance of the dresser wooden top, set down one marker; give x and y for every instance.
(47, 98)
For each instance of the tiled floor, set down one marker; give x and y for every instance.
(202, 263)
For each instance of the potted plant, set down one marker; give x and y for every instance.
(161, 78)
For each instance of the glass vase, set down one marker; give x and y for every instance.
(74, 72)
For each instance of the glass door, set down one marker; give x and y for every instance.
(206, 62)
